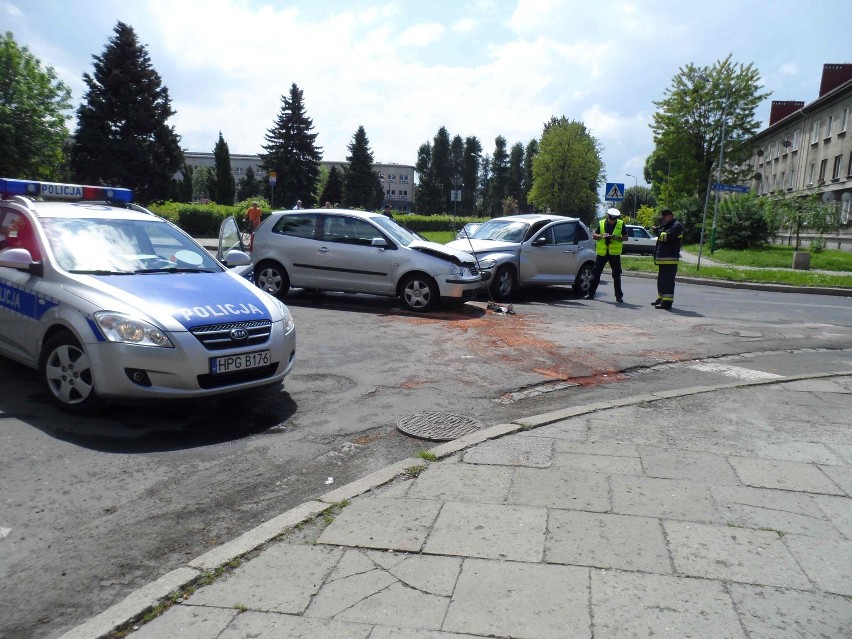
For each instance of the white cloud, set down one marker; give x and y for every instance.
(466, 25)
(421, 34)
(11, 9)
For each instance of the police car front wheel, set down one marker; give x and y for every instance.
(66, 373)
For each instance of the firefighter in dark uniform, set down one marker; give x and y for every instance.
(611, 235)
(666, 257)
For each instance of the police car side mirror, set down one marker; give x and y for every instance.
(236, 258)
(20, 259)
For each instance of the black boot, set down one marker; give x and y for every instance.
(665, 306)
(656, 302)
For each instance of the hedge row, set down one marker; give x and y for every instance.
(203, 220)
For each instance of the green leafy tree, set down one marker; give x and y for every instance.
(798, 214)
(441, 167)
(635, 197)
(249, 186)
(33, 109)
(333, 190)
(688, 127)
(742, 222)
(225, 187)
(529, 153)
(202, 179)
(483, 185)
(647, 216)
(123, 137)
(180, 186)
(567, 170)
(469, 174)
(361, 180)
(292, 152)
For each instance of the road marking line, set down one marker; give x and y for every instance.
(734, 371)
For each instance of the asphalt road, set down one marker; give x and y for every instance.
(93, 508)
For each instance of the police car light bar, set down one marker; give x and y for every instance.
(64, 191)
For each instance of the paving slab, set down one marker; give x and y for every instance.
(840, 475)
(524, 601)
(384, 632)
(187, 622)
(631, 605)
(574, 429)
(282, 579)
(463, 482)
(606, 541)
(828, 562)
(614, 449)
(664, 498)
(784, 511)
(734, 554)
(373, 522)
(774, 613)
(640, 427)
(567, 488)
(528, 451)
(843, 451)
(599, 463)
(401, 606)
(798, 451)
(264, 625)
(668, 463)
(783, 475)
(839, 511)
(489, 531)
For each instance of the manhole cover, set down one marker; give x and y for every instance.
(438, 426)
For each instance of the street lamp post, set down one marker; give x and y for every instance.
(635, 190)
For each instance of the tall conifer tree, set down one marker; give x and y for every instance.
(123, 137)
(361, 184)
(225, 188)
(292, 152)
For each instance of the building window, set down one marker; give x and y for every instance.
(811, 175)
(796, 135)
(849, 168)
(792, 184)
(403, 179)
(815, 133)
(777, 149)
(844, 120)
(391, 177)
(835, 173)
(828, 126)
(783, 178)
(787, 144)
(823, 165)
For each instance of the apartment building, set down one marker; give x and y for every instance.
(397, 179)
(807, 148)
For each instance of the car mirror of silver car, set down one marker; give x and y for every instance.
(539, 241)
(379, 241)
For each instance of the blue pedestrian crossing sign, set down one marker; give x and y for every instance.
(614, 192)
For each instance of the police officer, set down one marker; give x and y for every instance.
(666, 257)
(610, 235)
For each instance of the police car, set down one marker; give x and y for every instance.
(111, 302)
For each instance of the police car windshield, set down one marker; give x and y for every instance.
(103, 246)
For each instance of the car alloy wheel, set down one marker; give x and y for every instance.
(272, 278)
(504, 283)
(65, 371)
(583, 279)
(419, 293)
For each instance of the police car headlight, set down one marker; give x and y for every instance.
(487, 264)
(287, 317)
(128, 330)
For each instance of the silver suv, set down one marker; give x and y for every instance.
(358, 252)
(532, 250)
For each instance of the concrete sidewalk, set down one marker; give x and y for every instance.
(714, 511)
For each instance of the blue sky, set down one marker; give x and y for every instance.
(403, 69)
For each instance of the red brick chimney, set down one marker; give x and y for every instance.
(833, 75)
(781, 109)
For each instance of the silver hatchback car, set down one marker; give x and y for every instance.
(532, 250)
(359, 252)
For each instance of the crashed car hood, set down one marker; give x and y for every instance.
(484, 246)
(445, 251)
